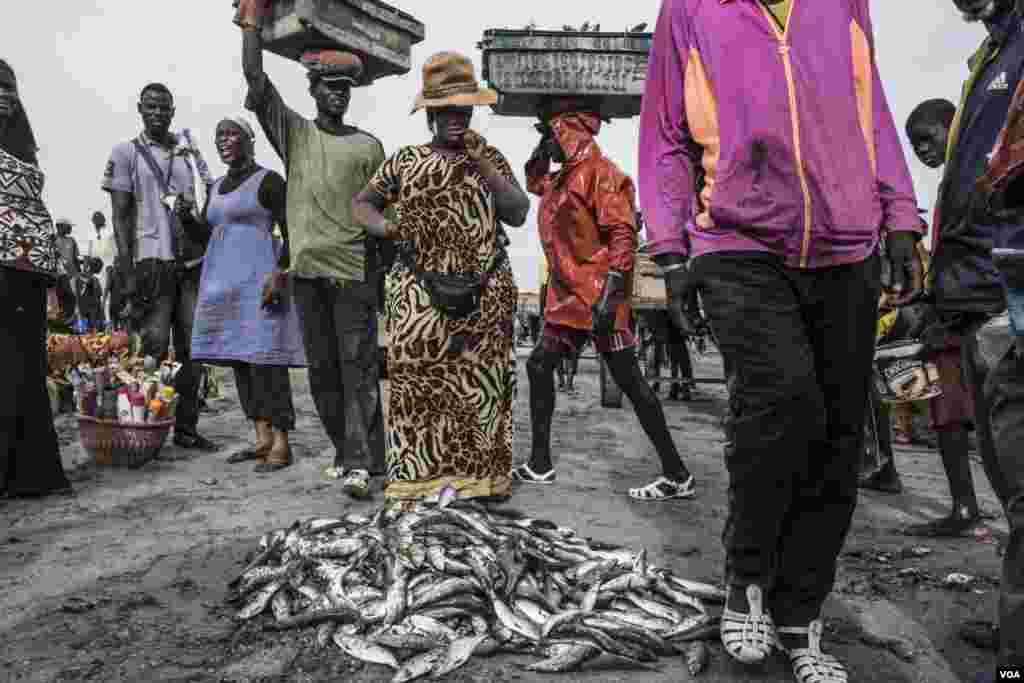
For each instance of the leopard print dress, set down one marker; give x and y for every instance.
(453, 382)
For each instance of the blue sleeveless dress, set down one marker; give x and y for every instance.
(230, 324)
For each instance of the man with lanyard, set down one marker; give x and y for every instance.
(149, 180)
(804, 173)
(334, 263)
(969, 291)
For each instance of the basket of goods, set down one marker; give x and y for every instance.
(902, 375)
(529, 66)
(380, 34)
(124, 415)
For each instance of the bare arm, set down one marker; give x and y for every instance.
(122, 205)
(252, 60)
(511, 202)
(368, 209)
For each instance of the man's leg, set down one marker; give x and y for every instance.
(355, 318)
(540, 367)
(314, 304)
(879, 472)
(842, 311)
(1004, 396)
(625, 370)
(776, 409)
(186, 382)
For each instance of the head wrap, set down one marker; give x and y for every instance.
(17, 137)
(242, 123)
(333, 65)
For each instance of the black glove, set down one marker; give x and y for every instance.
(605, 308)
(681, 289)
(905, 267)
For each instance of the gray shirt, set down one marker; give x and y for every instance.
(127, 171)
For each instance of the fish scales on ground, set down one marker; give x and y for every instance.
(423, 588)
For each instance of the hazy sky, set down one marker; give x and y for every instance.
(82, 63)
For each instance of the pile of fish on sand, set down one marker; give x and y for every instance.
(422, 588)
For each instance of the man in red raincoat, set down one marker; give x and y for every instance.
(587, 225)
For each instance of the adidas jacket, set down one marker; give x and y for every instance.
(963, 278)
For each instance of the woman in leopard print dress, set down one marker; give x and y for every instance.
(452, 378)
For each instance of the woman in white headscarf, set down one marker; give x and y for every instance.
(29, 453)
(245, 318)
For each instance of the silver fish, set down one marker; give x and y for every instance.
(435, 592)
(281, 604)
(325, 634)
(519, 625)
(678, 597)
(531, 610)
(700, 590)
(364, 650)
(637, 617)
(430, 626)
(697, 656)
(458, 653)
(397, 600)
(626, 582)
(564, 657)
(691, 626)
(557, 620)
(419, 666)
(260, 601)
(403, 639)
(654, 608)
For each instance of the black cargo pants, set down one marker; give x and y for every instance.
(799, 346)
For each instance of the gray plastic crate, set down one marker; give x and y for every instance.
(526, 66)
(379, 33)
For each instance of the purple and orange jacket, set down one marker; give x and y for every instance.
(759, 138)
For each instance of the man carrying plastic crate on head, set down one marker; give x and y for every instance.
(587, 226)
(334, 265)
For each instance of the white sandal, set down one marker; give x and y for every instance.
(664, 488)
(810, 664)
(749, 638)
(525, 474)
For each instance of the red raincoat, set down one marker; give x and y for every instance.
(587, 224)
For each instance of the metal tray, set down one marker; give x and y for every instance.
(527, 66)
(379, 33)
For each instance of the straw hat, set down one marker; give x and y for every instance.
(449, 80)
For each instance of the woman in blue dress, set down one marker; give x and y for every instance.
(245, 318)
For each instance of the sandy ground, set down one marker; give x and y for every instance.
(124, 581)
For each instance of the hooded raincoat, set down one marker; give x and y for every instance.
(789, 126)
(587, 224)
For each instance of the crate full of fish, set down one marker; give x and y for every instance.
(526, 66)
(379, 33)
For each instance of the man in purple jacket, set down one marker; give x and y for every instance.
(803, 176)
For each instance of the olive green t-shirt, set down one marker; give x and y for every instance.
(325, 172)
(780, 10)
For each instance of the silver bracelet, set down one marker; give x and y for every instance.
(673, 267)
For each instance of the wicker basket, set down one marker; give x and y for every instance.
(122, 444)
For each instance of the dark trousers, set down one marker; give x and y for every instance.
(799, 347)
(265, 392)
(339, 326)
(999, 418)
(168, 308)
(29, 453)
(878, 455)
